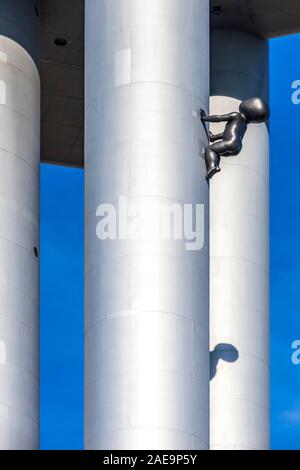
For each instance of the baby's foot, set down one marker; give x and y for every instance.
(212, 171)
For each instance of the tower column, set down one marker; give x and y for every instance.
(146, 301)
(239, 253)
(19, 225)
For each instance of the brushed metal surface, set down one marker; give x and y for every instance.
(146, 303)
(239, 272)
(63, 72)
(19, 234)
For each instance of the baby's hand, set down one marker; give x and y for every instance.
(202, 114)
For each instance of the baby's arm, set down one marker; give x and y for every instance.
(214, 138)
(220, 118)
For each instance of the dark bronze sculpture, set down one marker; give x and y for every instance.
(230, 142)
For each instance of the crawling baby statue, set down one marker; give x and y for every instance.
(230, 142)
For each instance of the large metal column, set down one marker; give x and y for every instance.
(19, 225)
(239, 238)
(146, 331)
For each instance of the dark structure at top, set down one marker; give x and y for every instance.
(62, 68)
(264, 18)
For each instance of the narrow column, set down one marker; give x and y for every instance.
(19, 225)
(239, 237)
(146, 330)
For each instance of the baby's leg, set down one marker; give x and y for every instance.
(213, 154)
(212, 160)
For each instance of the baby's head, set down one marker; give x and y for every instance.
(255, 110)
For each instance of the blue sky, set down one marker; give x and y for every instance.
(285, 254)
(61, 308)
(62, 276)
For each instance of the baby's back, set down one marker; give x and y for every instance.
(235, 129)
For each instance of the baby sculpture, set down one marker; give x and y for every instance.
(230, 142)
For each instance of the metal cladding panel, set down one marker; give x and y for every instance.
(19, 234)
(146, 327)
(239, 293)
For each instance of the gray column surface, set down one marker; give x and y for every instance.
(19, 225)
(146, 302)
(239, 254)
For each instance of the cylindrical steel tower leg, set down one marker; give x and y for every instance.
(19, 225)
(239, 240)
(146, 330)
